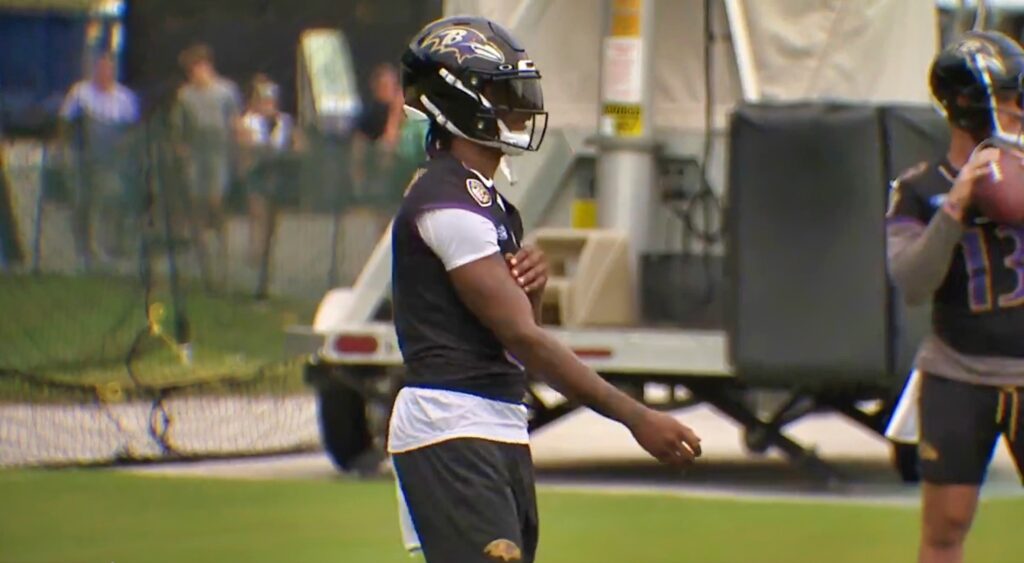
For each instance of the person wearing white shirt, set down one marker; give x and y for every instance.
(97, 116)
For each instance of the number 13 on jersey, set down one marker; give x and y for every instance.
(979, 269)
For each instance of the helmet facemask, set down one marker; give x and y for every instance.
(998, 94)
(518, 108)
(1007, 121)
(508, 110)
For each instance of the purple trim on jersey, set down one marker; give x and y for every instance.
(444, 387)
(465, 207)
(903, 220)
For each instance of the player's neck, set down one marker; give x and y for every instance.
(483, 159)
(961, 145)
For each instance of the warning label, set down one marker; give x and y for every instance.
(625, 119)
(623, 62)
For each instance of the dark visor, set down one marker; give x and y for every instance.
(516, 94)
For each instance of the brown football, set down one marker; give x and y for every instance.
(999, 195)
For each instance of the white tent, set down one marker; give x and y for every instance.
(871, 50)
(867, 50)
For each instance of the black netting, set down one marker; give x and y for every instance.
(136, 322)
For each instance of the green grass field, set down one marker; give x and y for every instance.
(101, 516)
(79, 330)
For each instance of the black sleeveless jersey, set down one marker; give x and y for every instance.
(979, 308)
(442, 342)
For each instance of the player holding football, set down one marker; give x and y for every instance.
(942, 249)
(465, 294)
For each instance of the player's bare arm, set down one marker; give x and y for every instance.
(500, 303)
(530, 269)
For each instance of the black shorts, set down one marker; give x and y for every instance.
(471, 500)
(960, 425)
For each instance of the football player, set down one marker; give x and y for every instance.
(943, 250)
(465, 295)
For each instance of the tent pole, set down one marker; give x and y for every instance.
(749, 84)
(626, 141)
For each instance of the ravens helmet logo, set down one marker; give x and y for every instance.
(464, 43)
(503, 550)
(974, 45)
(982, 54)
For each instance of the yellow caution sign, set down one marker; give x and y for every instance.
(626, 119)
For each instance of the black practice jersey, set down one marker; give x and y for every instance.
(443, 344)
(978, 308)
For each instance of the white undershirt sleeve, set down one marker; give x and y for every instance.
(457, 236)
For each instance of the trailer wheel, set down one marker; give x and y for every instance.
(343, 425)
(904, 460)
(756, 441)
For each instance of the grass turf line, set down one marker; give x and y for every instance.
(100, 515)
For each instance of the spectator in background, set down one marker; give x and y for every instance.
(377, 135)
(267, 137)
(96, 116)
(205, 123)
(375, 192)
(10, 249)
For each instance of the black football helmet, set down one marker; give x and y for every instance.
(470, 77)
(975, 79)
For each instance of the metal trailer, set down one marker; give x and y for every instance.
(355, 364)
(360, 368)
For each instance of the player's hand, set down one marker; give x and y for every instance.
(530, 269)
(666, 438)
(977, 166)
